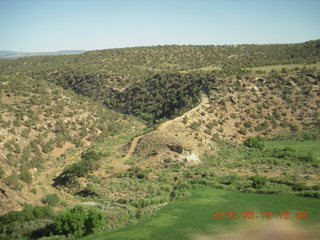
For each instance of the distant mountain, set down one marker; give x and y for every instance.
(7, 53)
(14, 55)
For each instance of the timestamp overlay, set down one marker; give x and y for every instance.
(261, 214)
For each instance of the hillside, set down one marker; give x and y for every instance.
(124, 78)
(125, 131)
(43, 127)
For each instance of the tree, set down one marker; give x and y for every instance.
(254, 142)
(79, 222)
(71, 222)
(95, 221)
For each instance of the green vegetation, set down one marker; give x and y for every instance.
(52, 200)
(41, 122)
(148, 81)
(58, 130)
(129, 63)
(254, 143)
(163, 96)
(282, 67)
(15, 224)
(88, 163)
(303, 147)
(34, 222)
(78, 221)
(177, 219)
(258, 181)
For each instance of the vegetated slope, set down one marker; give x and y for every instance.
(138, 62)
(43, 128)
(261, 105)
(183, 153)
(151, 82)
(240, 107)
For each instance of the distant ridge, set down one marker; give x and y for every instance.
(5, 54)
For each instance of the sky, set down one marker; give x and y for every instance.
(51, 25)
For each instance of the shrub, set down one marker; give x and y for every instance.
(227, 180)
(78, 221)
(13, 181)
(306, 158)
(258, 181)
(90, 190)
(94, 221)
(242, 131)
(71, 222)
(212, 124)
(29, 213)
(52, 200)
(290, 153)
(25, 175)
(137, 172)
(46, 148)
(313, 194)
(195, 126)
(1, 173)
(254, 142)
(88, 163)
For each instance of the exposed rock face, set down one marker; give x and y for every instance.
(191, 157)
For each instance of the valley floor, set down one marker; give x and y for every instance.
(193, 218)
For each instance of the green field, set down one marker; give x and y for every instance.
(192, 215)
(304, 147)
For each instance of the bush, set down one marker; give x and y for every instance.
(137, 172)
(254, 142)
(1, 173)
(90, 190)
(90, 161)
(71, 222)
(290, 153)
(94, 221)
(25, 175)
(13, 181)
(195, 126)
(258, 181)
(313, 194)
(29, 213)
(306, 158)
(79, 222)
(227, 180)
(52, 200)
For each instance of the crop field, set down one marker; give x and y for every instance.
(188, 217)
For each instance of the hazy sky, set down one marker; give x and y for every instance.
(50, 25)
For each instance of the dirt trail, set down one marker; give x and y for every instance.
(204, 101)
(120, 163)
(133, 147)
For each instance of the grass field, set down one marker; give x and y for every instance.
(184, 218)
(304, 147)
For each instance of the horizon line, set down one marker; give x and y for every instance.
(158, 45)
